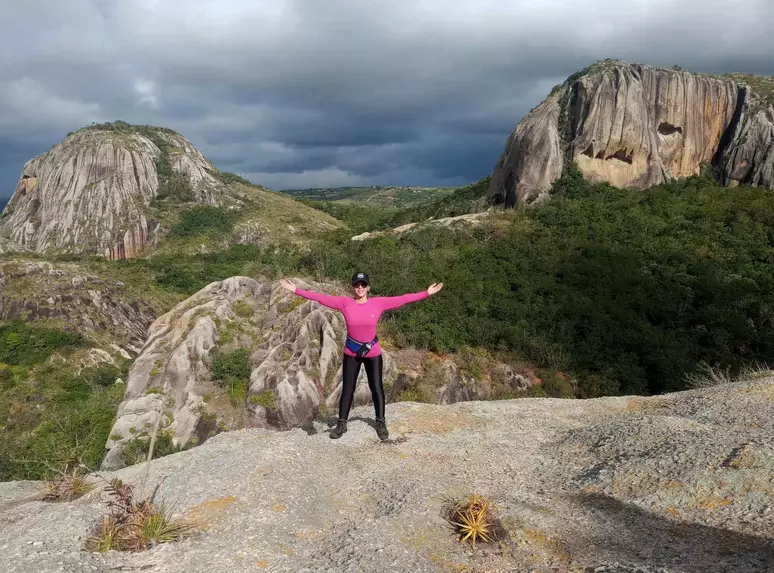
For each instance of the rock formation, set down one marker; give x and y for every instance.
(291, 368)
(677, 483)
(101, 309)
(634, 125)
(117, 190)
(472, 219)
(90, 193)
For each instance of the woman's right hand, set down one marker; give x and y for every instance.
(288, 284)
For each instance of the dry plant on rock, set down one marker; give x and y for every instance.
(67, 486)
(473, 519)
(134, 525)
(707, 376)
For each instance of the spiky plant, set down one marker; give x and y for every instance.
(472, 519)
(106, 536)
(159, 527)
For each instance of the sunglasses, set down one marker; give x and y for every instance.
(360, 285)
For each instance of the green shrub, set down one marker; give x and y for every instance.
(174, 187)
(232, 371)
(103, 375)
(135, 451)
(267, 399)
(243, 309)
(25, 344)
(204, 219)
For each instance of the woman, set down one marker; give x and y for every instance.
(361, 313)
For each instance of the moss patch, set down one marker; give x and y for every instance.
(267, 399)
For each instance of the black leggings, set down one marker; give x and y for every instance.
(351, 368)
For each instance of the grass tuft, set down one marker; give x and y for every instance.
(707, 376)
(67, 486)
(134, 525)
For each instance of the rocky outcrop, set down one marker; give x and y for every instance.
(28, 184)
(133, 242)
(102, 310)
(749, 157)
(292, 351)
(286, 354)
(679, 483)
(470, 218)
(90, 193)
(634, 125)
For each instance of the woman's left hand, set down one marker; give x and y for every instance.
(434, 288)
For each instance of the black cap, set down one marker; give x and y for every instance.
(360, 278)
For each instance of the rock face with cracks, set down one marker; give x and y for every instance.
(292, 374)
(90, 193)
(634, 125)
(104, 310)
(294, 352)
(679, 483)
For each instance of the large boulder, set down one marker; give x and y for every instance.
(634, 126)
(293, 349)
(245, 353)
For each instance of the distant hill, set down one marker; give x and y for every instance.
(373, 196)
(123, 190)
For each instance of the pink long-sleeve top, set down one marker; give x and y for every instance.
(361, 319)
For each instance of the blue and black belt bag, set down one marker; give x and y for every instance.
(360, 348)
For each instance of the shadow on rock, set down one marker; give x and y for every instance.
(370, 421)
(309, 428)
(637, 536)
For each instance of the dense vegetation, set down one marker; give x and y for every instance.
(51, 416)
(628, 291)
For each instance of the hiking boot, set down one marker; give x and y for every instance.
(381, 429)
(341, 427)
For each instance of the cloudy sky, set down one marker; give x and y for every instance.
(303, 93)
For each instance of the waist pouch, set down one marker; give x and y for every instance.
(360, 348)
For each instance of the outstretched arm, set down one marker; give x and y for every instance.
(336, 302)
(391, 302)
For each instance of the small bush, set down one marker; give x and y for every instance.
(175, 187)
(25, 344)
(102, 375)
(204, 219)
(232, 371)
(231, 365)
(241, 308)
(67, 486)
(134, 525)
(267, 399)
(135, 451)
(706, 376)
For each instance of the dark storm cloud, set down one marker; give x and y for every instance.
(310, 93)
